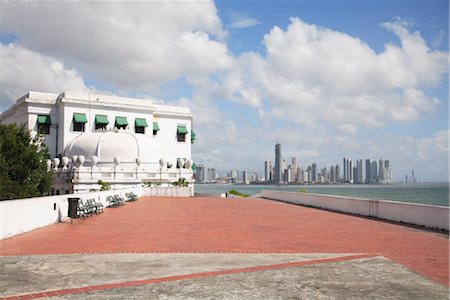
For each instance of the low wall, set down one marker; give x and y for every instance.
(169, 191)
(23, 215)
(417, 214)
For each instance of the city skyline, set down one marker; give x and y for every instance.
(326, 79)
(362, 171)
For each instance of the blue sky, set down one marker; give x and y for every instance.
(327, 79)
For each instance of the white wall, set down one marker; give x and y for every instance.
(92, 111)
(23, 215)
(167, 137)
(45, 109)
(417, 214)
(171, 191)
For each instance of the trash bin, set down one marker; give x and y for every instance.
(73, 205)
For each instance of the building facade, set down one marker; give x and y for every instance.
(124, 141)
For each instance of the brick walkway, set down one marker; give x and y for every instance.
(235, 225)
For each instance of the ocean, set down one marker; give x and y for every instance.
(424, 193)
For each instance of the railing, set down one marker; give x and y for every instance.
(430, 216)
(111, 174)
(171, 191)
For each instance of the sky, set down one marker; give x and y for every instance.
(326, 79)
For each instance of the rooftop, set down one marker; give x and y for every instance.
(205, 247)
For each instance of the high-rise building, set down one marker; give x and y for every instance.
(348, 170)
(212, 175)
(373, 172)
(333, 178)
(201, 174)
(267, 170)
(294, 174)
(338, 173)
(384, 172)
(360, 172)
(278, 172)
(368, 174)
(313, 172)
(245, 179)
(324, 175)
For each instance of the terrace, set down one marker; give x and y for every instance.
(205, 247)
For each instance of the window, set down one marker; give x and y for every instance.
(181, 133)
(101, 121)
(43, 129)
(139, 125)
(181, 137)
(121, 123)
(139, 130)
(193, 137)
(78, 127)
(155, 128)
(78, 122)
(43, 124)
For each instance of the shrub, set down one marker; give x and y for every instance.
(104, 185)
(237, 193)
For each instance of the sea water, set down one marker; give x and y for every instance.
(424, 193)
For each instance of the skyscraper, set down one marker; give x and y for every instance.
(313, 172)
(338, 173)
(373, 172)
(368, 174)
(245, 177)
(278, 172)
(267, 171)
(360, 172)
(347, 169)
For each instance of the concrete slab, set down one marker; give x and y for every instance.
(39, 273)
(372, 278)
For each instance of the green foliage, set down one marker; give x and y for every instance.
(104, 185)
(150, 184)
(237, 193)
(302, 190)
(23, 164)
(182, 182)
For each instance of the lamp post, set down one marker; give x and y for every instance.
(116, 163)
(94, 160)
(180, 165)
(138, 163)
(162, 162)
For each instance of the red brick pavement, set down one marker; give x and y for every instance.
(235, 225)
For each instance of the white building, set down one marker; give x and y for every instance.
(92, 137)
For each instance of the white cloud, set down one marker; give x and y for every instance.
(23, 70)
(134, 45)
(314, 75)
(241, 19)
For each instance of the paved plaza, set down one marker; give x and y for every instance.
(209, 248)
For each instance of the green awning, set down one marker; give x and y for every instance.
(194, 166)
(181, 129)
(79, 118)
(140, 122)
(193, 136)
(101, 120)
(121, 121)
(43, 119)
(155, 126)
